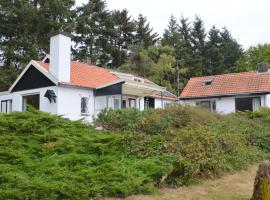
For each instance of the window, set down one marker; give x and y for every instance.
(149, 103)
(247, 103)
(6, 106)
(207, 82)
(31, 100)
(132, 103)
(116, 103)
(124, 103)
(84, 107)
(208, 105)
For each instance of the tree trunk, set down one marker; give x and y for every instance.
(262, 182)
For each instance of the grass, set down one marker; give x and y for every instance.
(237, 186)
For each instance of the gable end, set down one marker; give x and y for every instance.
(32, 79)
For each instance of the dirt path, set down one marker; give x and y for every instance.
(237, 186)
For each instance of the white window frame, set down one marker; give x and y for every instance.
(213, 105)
(8, 106)
(24, 105)
(86, 113)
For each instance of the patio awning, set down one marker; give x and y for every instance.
(140, 89)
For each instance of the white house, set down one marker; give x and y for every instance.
(77, 90)
(228, 93)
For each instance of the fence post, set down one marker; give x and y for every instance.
(262, 182)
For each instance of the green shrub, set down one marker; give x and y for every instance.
(45, 157)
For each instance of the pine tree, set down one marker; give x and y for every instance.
(123, 36)
(198, 40)
(171, 35)
(26, 26)
(214, 56)
(144, 35)
(92, 28)
(231, 50)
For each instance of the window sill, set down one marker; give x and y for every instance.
(85, 114)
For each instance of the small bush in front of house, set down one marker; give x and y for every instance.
(45, 157)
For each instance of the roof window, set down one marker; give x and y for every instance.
(207, 82)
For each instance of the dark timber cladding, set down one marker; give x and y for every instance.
(110, 90)
(32, 79)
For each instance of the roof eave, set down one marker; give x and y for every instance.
(223, 95)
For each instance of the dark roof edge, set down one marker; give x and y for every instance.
(224, 95)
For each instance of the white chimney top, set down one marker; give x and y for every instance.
(60, 53)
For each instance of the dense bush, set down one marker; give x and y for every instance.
(45, 157)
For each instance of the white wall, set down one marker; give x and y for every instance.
(267, 100)
(60, 51)
(226, 105)
(70, 103)
(45, 105)
(161, 103)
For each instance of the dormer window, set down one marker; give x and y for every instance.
(207, 82)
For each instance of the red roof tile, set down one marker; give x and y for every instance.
(227, 84)
(84, 75)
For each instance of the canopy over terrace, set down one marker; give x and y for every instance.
(139, 89)
(123, 94)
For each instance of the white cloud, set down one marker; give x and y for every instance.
(246, 19)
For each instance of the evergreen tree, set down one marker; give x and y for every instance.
(184, 51)
(198, 40)
(123, 36)
(7, 76)
(92, 32)
(231, 50)
(26, 26)
(214, 57)
(144, 35)
(171, 35)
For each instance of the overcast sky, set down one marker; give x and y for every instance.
(248, 20)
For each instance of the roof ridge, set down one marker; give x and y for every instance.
(217, 75)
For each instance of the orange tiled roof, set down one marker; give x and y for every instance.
(227, 84)
(84, 75)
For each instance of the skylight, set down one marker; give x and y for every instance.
(207, 82)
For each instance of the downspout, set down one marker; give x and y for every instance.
(94, 95)
(161, 100)
(121, 97)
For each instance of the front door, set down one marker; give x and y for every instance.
(32, 100)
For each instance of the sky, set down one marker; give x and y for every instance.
(247, 20)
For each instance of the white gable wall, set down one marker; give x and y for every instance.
(45, 105)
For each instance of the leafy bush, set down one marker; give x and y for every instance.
(45, 157)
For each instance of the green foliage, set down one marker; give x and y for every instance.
(7, 76)
(26, 26)
(253, 56)
(45, 157)
(199, 144)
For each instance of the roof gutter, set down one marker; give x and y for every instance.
(224, 95)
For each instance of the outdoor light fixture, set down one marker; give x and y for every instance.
(50, 95)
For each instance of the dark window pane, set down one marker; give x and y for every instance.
(31, 100)
(243, 104)
(214, 106)
(206, 105)
(84, 101)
